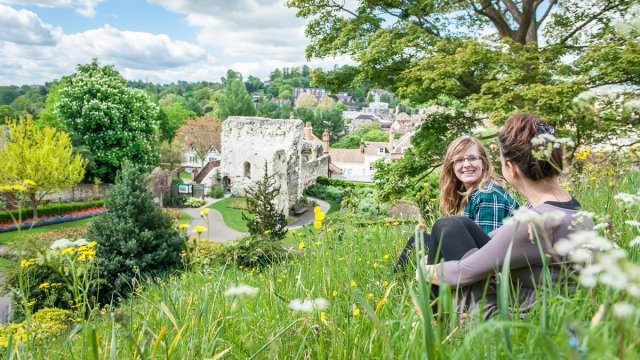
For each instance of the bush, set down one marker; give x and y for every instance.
(45, 324)
(341, 183)
(216, 192)
(268, 220)
(50, 210)
(251, 251)
(173, 201)
(135, 237)
(326, 192)
(193, 202)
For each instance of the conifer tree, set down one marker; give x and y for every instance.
(268, 221)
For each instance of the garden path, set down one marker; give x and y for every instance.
(219, 232)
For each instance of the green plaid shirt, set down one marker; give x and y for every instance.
(488, 206)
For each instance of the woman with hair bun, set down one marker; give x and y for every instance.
(469, 187)
(471, 258)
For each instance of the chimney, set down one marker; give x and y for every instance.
(325, 140)
(392, 137)
(361, 146)
(308, 131)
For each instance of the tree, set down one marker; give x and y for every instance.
(202, 135)
(236, 101)
(306, 100)
(47, 117)
(328, 119)
(366, 132)
(485, 56)
(42, 155)
(326, 103)
(268, 221)
(136, 239)
(112, 120)
(253, 84)
(173, 117)
(7, 112)
(171, 153)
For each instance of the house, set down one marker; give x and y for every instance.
(377, 95)
(376, 108)
(405, 122)
(361, 120)
(346, 99)
(190, 161)
(316, 92)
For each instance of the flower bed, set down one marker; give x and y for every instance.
(53, 219)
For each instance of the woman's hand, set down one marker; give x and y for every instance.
(430, 272)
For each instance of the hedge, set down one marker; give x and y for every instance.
(341, 183)
(50, 210)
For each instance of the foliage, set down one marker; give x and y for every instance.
(268, 222)
(251, 251)
(43, 156)
(364, 132)
(114, 121)
(328, 119)
(202, 135)
(47, 117)
(51, 209)
(135, 237)
(326, 192)
(361, 202)
(306, 100)
(47, 324)
(216, 192)
(272, 110)
(173, 117)
(193, 202)
(173, 201)
(172, 152)
(236, 101)
(340, 183)
(7, 112)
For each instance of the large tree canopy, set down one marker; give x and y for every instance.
(114, 121)
(488, 57)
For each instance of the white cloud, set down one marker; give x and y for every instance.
(25, 27)
(84, 8)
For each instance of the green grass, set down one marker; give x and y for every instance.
(184, 218)
(231, 217)
(185, 175)
(13, 235)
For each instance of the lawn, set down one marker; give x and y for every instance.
(184, 218)
(12, 236)
(185, 175)
(231, 216)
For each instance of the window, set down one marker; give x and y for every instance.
(247, 169)
(380, 150)
(370, 166)
(192, 159)
(348, 171)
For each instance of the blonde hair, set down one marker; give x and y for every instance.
(453, 194)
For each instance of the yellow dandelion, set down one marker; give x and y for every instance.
(353, 283)
(396, 223)
(317, 224)
(6, 188)
(323, 316)
(319, 216)
(92, 244)
(68, 251)
(317, 209)
(266, 232)
(29, 182)
(369, 296)
(27, 263)
(335, 293)
(183, 226)
(375, 265)
(199, 229)
(204, 212)
(329, 230)
(44, 285)
(31, 303)
(611, 183)
(18, 188)
(386, 256)
(355, 312)
(385, 283)
(301, 245)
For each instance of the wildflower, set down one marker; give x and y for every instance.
(18, 188)
(386, 256)
(318, 243)
(380, 303)
(529, 216)
(308, 305)
(266, 232)
(301, 245)
(317, 224)
(27, 263)
(31, 303)
(29, 182)
(369, 296)
(44, 285)
(622, 309)
(375, 265)
(68, 251)
(61, 244)
(183, 226)
(199, 229)
(627, 200)
(355, 312)
(92, 244)
(396, 223)
(335, 293)
(317, 209)
(353, 283)
(204, 212)
(633, 223)
(6, 188)
(81, 242)
(635, 242)
(385, 283)
(241, 290)
(323, 316)
(611, 183)
(319, 216)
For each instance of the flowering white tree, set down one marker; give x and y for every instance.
(114, 121)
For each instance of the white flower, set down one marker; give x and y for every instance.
(622, 309)
(633, 223)
(581, 256)
(62, 244)
(81, 242)
(308, 305)
(600, 226)
(529, 216)
(241, 290)
(628, 199)
(635, 242)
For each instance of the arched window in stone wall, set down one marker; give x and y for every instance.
(247, 169)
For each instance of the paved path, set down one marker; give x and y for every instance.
(219, 232)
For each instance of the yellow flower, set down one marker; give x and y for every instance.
(433, 199)
(317, 209)
(317, 224)
(396, 223)
(565, 184)
(353, 283)
(329, 230)
(380, 303)
(611, 183)
(92, 244)
(183, 226)
(301, 245)
(323, 316)
(29, 182)
(385, 283)
(369, 296)
(318, 243)
(44, 285)
(355, 312)
(27, 263)
(6, 188)
(31, 303)
(386, 256)
(335, 293)
(199, 229)
(19, 188)
(387, 224)
(68, 251)
(319, 216)
(375, 265)
(204, 212)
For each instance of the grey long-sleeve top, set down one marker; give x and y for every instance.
(478, 264)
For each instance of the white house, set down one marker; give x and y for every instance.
(190, 160)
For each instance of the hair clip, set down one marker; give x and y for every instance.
(544, 129)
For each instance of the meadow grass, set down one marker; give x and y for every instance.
(372, 313)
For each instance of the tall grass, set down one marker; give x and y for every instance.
(372, 313)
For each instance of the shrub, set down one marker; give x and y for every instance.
(45, 324)
(251, 251)
(173, 201)
(341, 183)
(173, 214)
(326, 192)
(135, 237)
(193, 202)
(216, 192)
(268, 220)
(203, 253)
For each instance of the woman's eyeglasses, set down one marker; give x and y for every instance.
(470, 158)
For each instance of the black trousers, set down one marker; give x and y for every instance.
(450, 239)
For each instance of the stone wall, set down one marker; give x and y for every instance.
(81, 192)
(314, 163)
(248, 143)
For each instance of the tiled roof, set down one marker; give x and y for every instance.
(349, 156)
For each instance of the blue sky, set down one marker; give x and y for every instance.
(153, 40)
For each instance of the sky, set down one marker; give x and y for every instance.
(160, 41)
